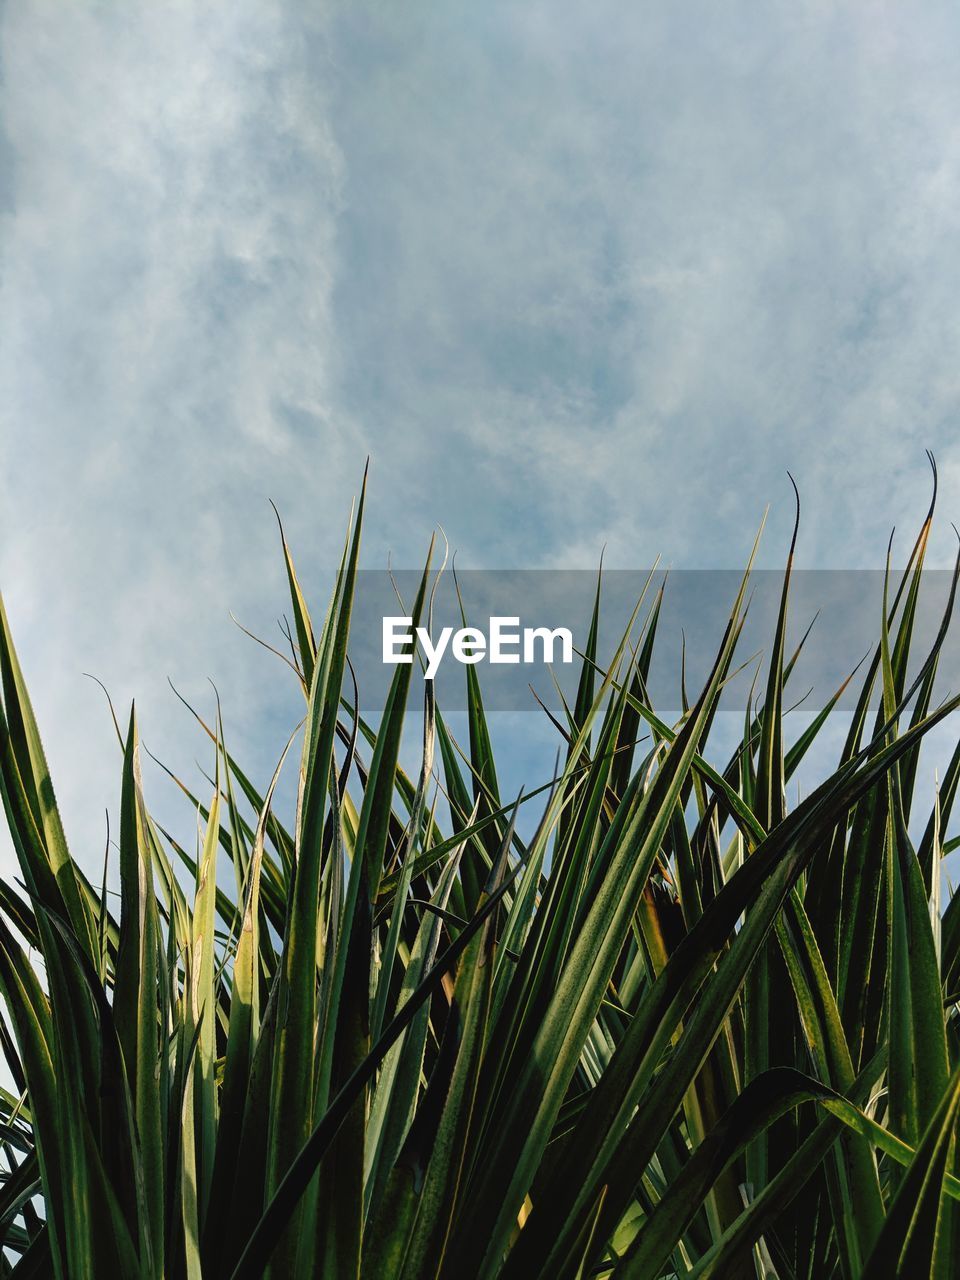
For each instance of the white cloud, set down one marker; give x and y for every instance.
(168, 353)
(575, 275)
(641, 261)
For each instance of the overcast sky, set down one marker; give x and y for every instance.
(571, 274)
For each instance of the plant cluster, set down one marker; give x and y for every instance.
(680, 1030)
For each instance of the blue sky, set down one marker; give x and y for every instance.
(572, 275)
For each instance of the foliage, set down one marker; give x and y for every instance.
(681, 1030)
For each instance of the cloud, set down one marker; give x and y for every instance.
(625, 267)
(573, 277)
(168, 353)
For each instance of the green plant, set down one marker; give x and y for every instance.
(679, 1031)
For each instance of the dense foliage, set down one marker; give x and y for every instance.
(681, 1030)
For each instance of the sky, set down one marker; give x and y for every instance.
(572, 276)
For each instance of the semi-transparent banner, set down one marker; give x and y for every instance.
(525, 630)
